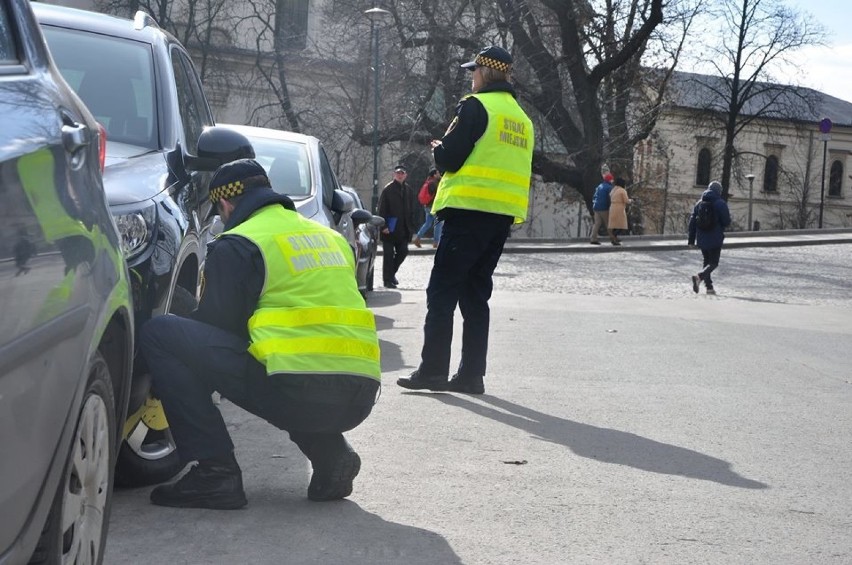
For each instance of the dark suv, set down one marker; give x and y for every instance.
(139, 82)
(66, 320)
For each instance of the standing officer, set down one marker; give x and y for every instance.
(486, 156)
(281, 331)
(395, 206)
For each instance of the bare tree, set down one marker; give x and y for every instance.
(756, 36)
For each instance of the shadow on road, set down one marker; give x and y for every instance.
(604, 444)
(277, 527)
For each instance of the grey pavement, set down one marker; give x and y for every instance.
(626, 420)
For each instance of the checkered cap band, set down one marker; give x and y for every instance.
(492, 63)
(227, 191)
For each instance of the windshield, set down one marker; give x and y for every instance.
(286, 163)
(115, 79)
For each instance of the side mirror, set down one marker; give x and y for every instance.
(377, 221)
(342, 202)
(219, 145)
(360, 216)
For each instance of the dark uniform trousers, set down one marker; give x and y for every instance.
(470, 247)
(188, 360)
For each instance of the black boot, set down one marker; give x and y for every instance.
(416, 381)
(211, 483)
(335, 468)
(468, 385)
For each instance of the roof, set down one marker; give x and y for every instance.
(784, 102)
(72, 18)
(270, 133)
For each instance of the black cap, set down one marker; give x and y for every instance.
(234, 178)
(400, 168)
(494, 57)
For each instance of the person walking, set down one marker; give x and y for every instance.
(617, 219)
(426, 196)
(600, 207)
(281, 331)
(395, 206)
(486, 159)
(710, 217)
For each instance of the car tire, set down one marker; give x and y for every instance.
(149, 456)
(76, 527)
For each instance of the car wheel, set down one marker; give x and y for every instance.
(148, 454)
(76, 527)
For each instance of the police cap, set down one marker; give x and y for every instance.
(236, 177)
(494, 57)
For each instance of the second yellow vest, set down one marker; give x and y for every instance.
(496, 175)
(310, 318)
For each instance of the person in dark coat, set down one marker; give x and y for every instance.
(395, 206)
(709, 240)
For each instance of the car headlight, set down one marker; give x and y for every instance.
(136, 229)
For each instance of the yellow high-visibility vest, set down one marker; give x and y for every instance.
(310, 317)
(496, 175)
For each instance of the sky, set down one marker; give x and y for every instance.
(827, 69)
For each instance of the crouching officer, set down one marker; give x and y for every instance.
(281, 331)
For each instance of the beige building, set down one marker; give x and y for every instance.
(777, 176)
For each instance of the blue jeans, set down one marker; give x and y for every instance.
(430, 220)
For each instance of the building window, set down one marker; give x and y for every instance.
(702, 174)
(294, 23)
(770, 174)
(835, 180)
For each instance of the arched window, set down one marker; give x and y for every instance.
(770, 174)
(835, 180)
(702, 174)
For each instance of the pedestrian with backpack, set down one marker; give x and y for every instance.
(426, 197)
(710, 217)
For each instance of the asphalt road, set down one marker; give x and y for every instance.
(626, 420)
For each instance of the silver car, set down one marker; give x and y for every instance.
(298, 167)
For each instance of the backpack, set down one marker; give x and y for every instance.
(705, 215)
(425, 196)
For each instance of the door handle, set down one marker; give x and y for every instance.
(75, 136)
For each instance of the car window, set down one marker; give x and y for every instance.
(193, 109)
(190, 113)
(8, 53)
(286, 163)
(329, 181)
(118, 89)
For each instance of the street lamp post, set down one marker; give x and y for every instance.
(825, 137)
(750, 178)
(375, 15)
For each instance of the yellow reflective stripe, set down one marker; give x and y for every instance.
(295, 317)
(314, 346)
(490, 194)
(499, 175)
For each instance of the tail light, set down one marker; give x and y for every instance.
(102, 135)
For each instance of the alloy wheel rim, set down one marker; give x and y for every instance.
(87, 486)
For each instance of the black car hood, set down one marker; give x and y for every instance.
(134, 174)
